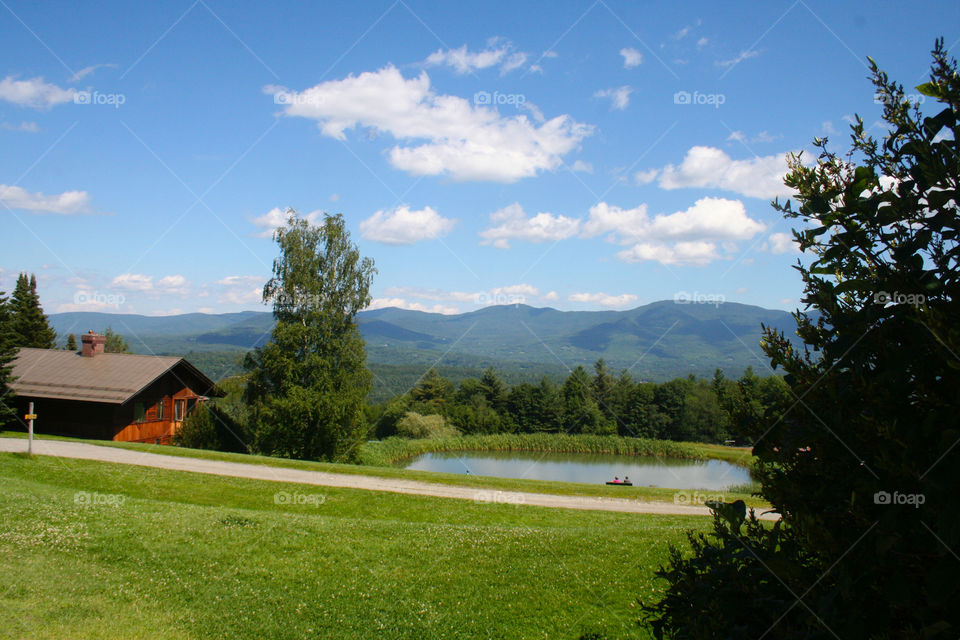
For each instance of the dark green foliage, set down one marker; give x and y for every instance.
(307, 384)
(211, 427)
(71, 343)
(30, 325)
(872, 407)
(8, 350)
(115, 342)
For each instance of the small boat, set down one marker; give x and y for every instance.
(621, 484)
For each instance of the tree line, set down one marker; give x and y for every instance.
(598, 402)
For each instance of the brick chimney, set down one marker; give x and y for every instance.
(92, 344)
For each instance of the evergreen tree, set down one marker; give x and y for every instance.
(71, 343)
(30, 324)
(8, 350)
(115, 342)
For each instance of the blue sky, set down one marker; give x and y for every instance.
(568, 154)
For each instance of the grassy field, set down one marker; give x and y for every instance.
(93, 550)
(659, 494)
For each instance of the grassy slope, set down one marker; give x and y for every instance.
(659, 494)
(195, 556)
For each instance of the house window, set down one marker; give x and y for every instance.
(138, 412)
(160, 409)
(178, 409)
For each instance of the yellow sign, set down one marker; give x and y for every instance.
(30, 416)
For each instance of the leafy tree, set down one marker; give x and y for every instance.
(30, 324)
(872, 407)
(71, 343)
(209, 426)
(114, 342)
(8, 350)
(307, 385)
(414, 425)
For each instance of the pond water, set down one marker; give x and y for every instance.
(643, 471)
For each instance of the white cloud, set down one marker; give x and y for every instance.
(241, 290)
(400, 303)
(619, 96)
(512, 294)
(631, 57)
(29, 127)
(580, 165)
(277, 217)
(701, 43)
(744, 55)
(646, 177)
(463, 141)
(550, 297)
(175, 284)
(511, 223)
(33, 93)
(403, 226)
(83, 73)
(133, 282)
(682, 253)
(737, 136)
(781, 243)
(684, 237)
(682, 33)
(604, 299)
(498, 53)
(67, 203)
(710, 167)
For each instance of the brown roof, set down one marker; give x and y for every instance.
(113, 378)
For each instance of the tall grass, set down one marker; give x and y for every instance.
(392, 450)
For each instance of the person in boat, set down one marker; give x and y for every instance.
(616, 480)
(626, 479)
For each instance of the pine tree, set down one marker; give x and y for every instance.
(8, 349)
(71, 342)
(30, 325)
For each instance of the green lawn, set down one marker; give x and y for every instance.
(165, 554)
(659, 494)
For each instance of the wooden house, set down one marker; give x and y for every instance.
(108, 396)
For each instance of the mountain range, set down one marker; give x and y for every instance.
(656, 341)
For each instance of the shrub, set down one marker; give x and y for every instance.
(414, 425)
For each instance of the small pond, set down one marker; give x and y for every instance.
(644, 471)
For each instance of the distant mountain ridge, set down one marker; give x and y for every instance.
(656, 341)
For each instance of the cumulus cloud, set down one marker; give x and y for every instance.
(175, 284)
(581, 166)
(33, 93)
(512, 223)
(511, 294)
(67, 203)
(550, 297)
(619, 96)
(461, 140)
(498, 53)
(710, 167)
(133, 282)
(241, 290)
(692, 236)
(403, 226)
(277, 217)
(646, 177)
(631, 57)
(781, 243)
(604, 299)
(400, 303)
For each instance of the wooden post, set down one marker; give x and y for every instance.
(30, 415)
